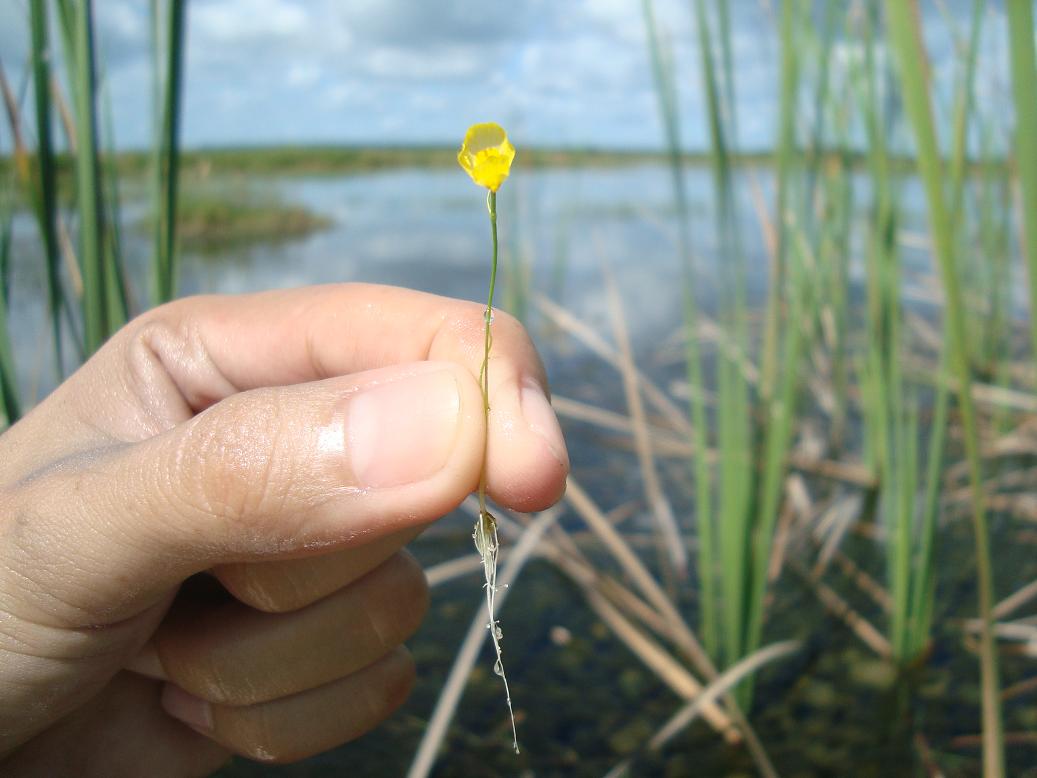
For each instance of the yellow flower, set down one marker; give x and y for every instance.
(486, 155)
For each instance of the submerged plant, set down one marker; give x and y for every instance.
(486, 156)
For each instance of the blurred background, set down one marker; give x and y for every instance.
(778, 257)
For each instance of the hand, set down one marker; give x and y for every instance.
(285, 446)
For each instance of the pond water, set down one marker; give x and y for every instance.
(583, 701)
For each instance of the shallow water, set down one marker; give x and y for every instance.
(428, 230)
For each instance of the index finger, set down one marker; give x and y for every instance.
(297, 335)
(182, 357)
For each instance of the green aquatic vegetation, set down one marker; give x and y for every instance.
(216, 217)
(100, 316)
(667, 99)
(1024, 92)
(486, 155)
(907, 45)
(10, 402)
(167, 88)
(45, 199)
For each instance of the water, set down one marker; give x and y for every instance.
(428, 230)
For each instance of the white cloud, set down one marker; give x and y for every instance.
(233, 21)
(303, 74)
(407, 64)
(577, 71)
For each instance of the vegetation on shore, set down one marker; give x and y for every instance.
(214, 219)
(202, 163)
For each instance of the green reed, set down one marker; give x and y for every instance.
(784, 339)
(669, 113)
(10, 401)
(45, 205)
(733, 418)
(736, 521)
(96, 304)
(1024, 92)
(105, 301)
(168, 77)
(906, 42)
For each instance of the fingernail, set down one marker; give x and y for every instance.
(403, 431)
(540, 417)
(193, 711)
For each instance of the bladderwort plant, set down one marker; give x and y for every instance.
(486, 155)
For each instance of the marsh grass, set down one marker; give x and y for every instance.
(10, 400)
(168, 74)
(906, 42)
(737, 506)
(1024, 90)
(89, 292)
(213, 218)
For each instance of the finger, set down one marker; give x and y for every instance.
(288, 584)
(186, 356)
(235, 655)
(304, 724)
(146, 741)
(270, 473)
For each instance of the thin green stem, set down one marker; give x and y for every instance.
(485, 533)
(484, 371)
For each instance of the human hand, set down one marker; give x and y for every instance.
(290, 443)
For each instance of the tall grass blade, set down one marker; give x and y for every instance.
(167, 153)
(906, 42)
(662, 72)
(784, 155)
(10, 403)
(1024, 92)
(733, 417)
(117, 279)
(46, 173)
(89, 182)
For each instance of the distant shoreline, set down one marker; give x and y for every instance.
(318, 160)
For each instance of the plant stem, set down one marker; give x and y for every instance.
(484, 371)
(485, 533)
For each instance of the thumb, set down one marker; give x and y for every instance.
(273, 472)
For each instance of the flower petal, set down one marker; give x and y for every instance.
(486, 155)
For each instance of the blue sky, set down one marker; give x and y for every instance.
(556, 72)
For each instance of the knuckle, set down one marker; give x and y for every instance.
(168, 364)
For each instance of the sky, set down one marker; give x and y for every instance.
(555, 72)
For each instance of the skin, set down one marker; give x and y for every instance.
(202, 530)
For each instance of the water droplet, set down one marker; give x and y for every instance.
(488, 316)
(498, 632)
(498, 668)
